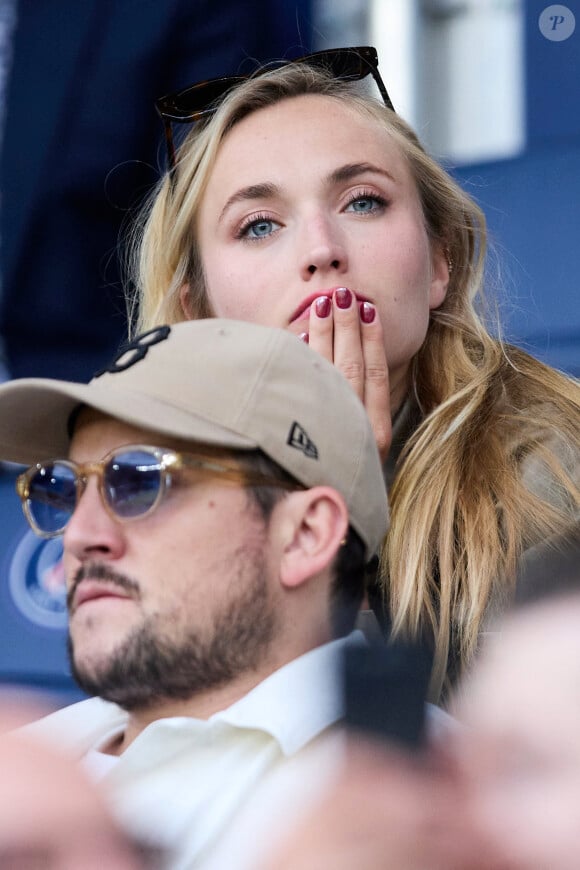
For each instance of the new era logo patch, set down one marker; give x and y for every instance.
(298, 438)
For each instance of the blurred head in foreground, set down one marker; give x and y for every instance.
(51, 817)
(521, 754)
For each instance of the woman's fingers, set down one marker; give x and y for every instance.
(321, 327)
(348, 352)
(349, 334)
(376, 385)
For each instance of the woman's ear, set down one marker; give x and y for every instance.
(314, 525)
(185, 302)
(441, 271)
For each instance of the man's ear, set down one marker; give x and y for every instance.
(314, 525)
(185, 302)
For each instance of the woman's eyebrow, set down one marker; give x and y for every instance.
(253, 191)
(268, 190)
(351, 170)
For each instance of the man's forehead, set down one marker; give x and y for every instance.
(83, 415)
(89, 424)
(94, 434)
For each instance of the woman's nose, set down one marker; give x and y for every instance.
(323, 253)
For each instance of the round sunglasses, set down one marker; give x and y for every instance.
(132, 480)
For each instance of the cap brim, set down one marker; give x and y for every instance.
(36, 413)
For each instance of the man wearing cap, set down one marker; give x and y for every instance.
(219, 491)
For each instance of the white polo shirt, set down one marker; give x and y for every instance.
(182, 780)
(181, 783)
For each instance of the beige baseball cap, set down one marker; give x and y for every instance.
(226, 383)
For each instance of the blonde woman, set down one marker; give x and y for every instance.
(297, 200)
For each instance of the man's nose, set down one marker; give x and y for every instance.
(92, 532)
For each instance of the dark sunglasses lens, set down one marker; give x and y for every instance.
(197, 99)
(52, 497)
(132, 483)
(342, 63)
(345, 64)
(357, 63)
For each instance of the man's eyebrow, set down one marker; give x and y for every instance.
(351, 170)
(253, 191)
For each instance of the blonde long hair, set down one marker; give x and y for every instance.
(462, 510)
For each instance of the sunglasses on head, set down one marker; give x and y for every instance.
(132, 482)
(202, 99)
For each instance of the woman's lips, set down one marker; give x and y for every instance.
(303, 310)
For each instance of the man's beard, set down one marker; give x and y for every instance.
(151, 666)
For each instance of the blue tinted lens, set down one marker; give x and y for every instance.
(132, 483)
(52, 497)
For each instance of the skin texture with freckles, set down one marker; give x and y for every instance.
(308, 197)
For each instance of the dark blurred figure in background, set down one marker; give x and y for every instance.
(80, 146)
(551, 568)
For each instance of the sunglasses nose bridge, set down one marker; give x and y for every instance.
(86, 470)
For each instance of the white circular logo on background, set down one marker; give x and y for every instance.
(557, 23)
(36, 581)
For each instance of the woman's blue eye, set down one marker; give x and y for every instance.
(259, 228)
(366, 204)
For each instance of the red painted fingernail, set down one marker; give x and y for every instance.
(322, 306)
(304, 337)
(367, 312)
(343, 297)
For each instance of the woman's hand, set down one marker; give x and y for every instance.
(349, 334)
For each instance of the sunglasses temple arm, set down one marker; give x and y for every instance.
(169, 142)
(381, 86)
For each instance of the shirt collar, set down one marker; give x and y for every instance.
(298, 701)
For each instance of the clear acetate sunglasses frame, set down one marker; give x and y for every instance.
(165, 461)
